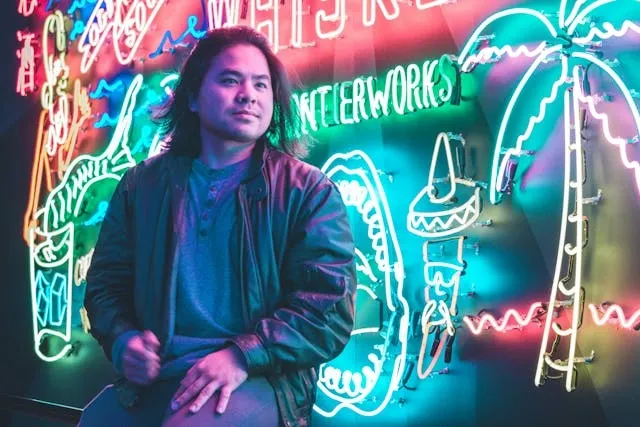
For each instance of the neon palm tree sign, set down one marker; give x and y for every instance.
(574, 53)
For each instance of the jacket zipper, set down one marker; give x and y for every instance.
(249, 241)
(243, 280)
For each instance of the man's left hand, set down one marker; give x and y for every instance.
(222, 371)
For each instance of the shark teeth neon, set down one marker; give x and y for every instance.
(366, 386)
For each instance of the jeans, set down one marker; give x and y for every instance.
(252, 404)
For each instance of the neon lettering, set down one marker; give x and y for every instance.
(26, 72)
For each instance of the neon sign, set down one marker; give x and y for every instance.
(442, 278)
(509, 321)
(54, 99)
(567, 289)
(26, 7)
(26, 72)
(192, 30)
(452, 220)
(127, 22)
(329, 22)
(360, 385)
(51, 232)
(405, 89)
(50, 270)
(612, 313)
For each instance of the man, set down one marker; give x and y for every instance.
(224, 273)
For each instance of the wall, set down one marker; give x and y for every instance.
(448, 121)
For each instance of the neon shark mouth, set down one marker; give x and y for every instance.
(359, 379)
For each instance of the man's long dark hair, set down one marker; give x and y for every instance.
(180, 126)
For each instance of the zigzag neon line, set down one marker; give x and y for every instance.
(604, 118)
(490, 52)
(105, 88)
(106, 121)
(192, 21)
(489, 321)
(515, 11)
(79, 4)
(609, 31)
(614, 313)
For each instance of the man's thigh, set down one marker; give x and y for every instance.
(106, 410)
(252, 404)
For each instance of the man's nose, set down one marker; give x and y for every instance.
(246, 94)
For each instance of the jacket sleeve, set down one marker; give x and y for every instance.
(110, 278)
(315, 318)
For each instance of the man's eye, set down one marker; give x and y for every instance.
(229, 81)
(262, 85)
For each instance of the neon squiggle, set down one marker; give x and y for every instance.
(167, 38)
(104, 88)
(608, 31)
(619, 142)
(613, 313)
(464, 54)
(79, 4)
(496, 178)
(127, 28)
(510, 320)
(491, 52)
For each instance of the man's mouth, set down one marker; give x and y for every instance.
(245, 114)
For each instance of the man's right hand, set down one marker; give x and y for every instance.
(140, 359)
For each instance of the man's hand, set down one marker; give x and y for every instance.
(140, 359)
(222, 371)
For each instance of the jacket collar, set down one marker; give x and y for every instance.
(255, 182)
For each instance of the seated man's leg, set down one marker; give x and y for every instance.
(252, 404)
(106, 410)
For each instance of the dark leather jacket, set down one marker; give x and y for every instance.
(296, 266)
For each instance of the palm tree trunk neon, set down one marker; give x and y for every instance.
(566, 291)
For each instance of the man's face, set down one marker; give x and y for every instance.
(235, 102)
